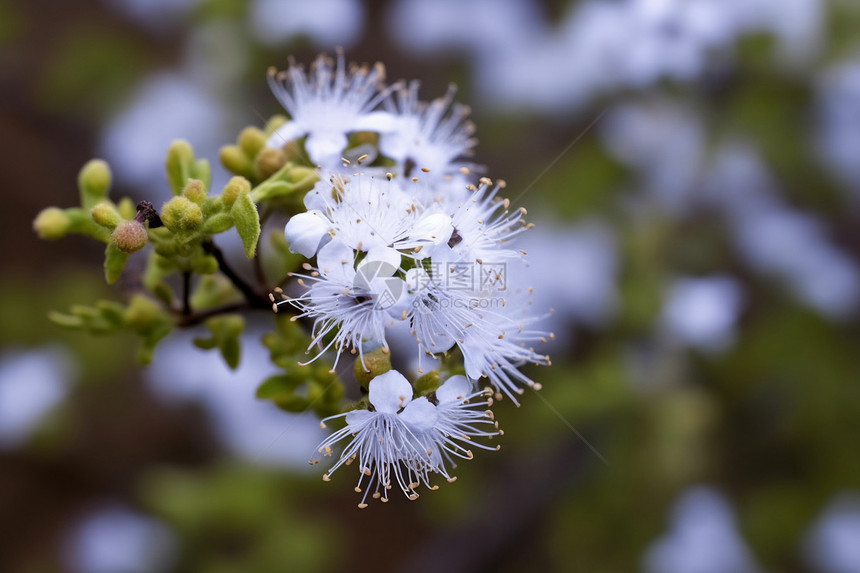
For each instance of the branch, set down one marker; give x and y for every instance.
(255, 300)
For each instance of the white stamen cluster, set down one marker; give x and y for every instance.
(404, 242)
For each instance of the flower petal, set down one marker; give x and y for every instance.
(305, 231)
(419, 415)
(335, 261)
(389, 392)
(455, 389)
(284, 134)
(325, 147)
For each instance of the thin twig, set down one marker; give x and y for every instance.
(255, 300)
(186, 293)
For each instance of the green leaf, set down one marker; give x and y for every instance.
(218, 223)
(247, 221)
(115, 260)
(225, 337)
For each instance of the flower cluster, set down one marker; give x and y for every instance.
(411, 249)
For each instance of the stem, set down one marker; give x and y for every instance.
(186, 293)
(194, 319)
(255, 300)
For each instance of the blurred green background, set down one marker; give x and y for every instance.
(693, 168)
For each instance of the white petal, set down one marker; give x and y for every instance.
(335, 261)
(284, 134)
(387, 261)
(420, 415)
(325, 147)
(358, 417)
(455, 389)
(378, 121)
(305, 231)
(389, 392)
(435, 228)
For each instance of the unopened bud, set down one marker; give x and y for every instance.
(106, 215)
(180, 214)
(51, 223)
(130, 236)
(251, 141)
(375, 363)
(270, 160)
(93, 182)
(195, 191)
(235, 160)
(235, 187)
(180, 157)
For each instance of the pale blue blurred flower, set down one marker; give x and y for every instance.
(32, 384)
(114, 539)
(702, 538)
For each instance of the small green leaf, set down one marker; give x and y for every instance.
(93, 183)
(218, 223)
(225, 336)
(115, 261)
(247, 221)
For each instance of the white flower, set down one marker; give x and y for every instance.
(428, 136)
(384, 440)
(408, 438)
(457, 422)
(366, 213)
(482, 227)
(327, 103)
(353, 301)
(493, 333)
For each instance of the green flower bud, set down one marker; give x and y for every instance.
(204, 265)
(127, 208)
(180, 214)
(376, 363)
(195, 191)
(180, 159)
(106, 215)
(235, 160)
(93, 182)
(269, 161)
(274, 123)
(130, 236)
(235, 187)
(142, 313)
(51, 223)
(251, 141)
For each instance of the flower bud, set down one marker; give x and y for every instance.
(195, 191)
(375, 363)
(180, 157)
(251, 141)
(234, 160)
(51, 223)
(130, 236)
(180, 214)
(270, 160)
(93, 182)
(106, 215)
(235, 187)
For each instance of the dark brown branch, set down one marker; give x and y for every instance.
(186, 293)
(255, 300)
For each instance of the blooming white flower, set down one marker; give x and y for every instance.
(366, 213)
(327, 103)
(408, 438)
(427, 136)
(355, 301)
